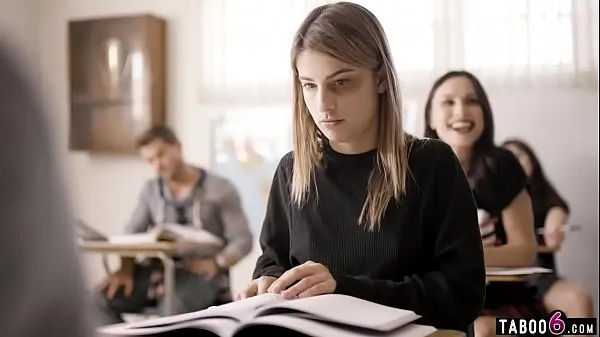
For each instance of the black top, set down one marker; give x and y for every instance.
(504, 180)
(427, 255)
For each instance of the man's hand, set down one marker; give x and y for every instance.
(256, 287)
(205, 267)
(554, 235)
(122, 278)
(312, 279)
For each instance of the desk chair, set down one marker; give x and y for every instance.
(471, 330)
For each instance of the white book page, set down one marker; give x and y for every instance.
(149, 237)
(347, 310)
(239, 310)
(318, 329)
(220, 326)
(196, 235)
(516, 271)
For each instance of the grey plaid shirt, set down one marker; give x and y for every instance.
(214, 206)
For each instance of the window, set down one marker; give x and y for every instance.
(409, 26)
(517, 33)
(246, 146)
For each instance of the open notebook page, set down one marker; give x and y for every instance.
(220, 326)
(238, 310)
(319, 329)
(346, 310)
(196, 235)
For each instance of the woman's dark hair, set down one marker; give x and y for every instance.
(483, 147)
(541, 189)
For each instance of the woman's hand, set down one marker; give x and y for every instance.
(554, 235)
(488, 231)
(312, 279)
(256, 287)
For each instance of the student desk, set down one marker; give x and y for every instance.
(506, 278)
(161, 250)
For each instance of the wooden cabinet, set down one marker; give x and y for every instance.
(117, 81)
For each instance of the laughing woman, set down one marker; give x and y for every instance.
(359, 207)
(459, 113)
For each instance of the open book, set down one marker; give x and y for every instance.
(516, 271)
(164, 232)
(271, 315)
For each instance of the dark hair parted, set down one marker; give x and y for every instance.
(481, 162)
(155, 132)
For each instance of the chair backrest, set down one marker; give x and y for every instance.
(471, 330)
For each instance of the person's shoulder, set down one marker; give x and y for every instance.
(504, 163)
(429, 151)
(150, 187)
(214, 180)
(286, 164)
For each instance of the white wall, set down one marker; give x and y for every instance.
(104, 188)
(18, 26)
(561, 124)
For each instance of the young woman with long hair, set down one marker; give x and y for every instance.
(459, 113)
(359, 207)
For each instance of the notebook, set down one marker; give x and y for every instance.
(270, 314)
(164, 232)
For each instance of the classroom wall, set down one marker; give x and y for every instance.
(561, 124)
(18, 26)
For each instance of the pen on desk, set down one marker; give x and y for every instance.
(565, 228)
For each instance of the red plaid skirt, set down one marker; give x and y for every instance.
(534, 309)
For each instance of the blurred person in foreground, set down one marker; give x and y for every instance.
(42, 286)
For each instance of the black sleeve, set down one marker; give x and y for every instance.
(510, 179)
(450, 292)
(274, 235)
(555, 200)
(42, 290)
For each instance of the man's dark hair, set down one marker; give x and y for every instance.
(155, 132)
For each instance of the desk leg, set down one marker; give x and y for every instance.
(169, 277)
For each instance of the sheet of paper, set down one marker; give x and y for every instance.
(516, 271)
(239, 310)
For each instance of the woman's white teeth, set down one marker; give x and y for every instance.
(461, 125)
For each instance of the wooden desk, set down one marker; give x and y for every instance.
(162, 250)
(506, 278)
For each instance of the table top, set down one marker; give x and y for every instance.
(506, 278)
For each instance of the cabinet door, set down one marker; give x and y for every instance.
(117, 72)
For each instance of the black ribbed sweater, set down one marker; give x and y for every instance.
(427, 255)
